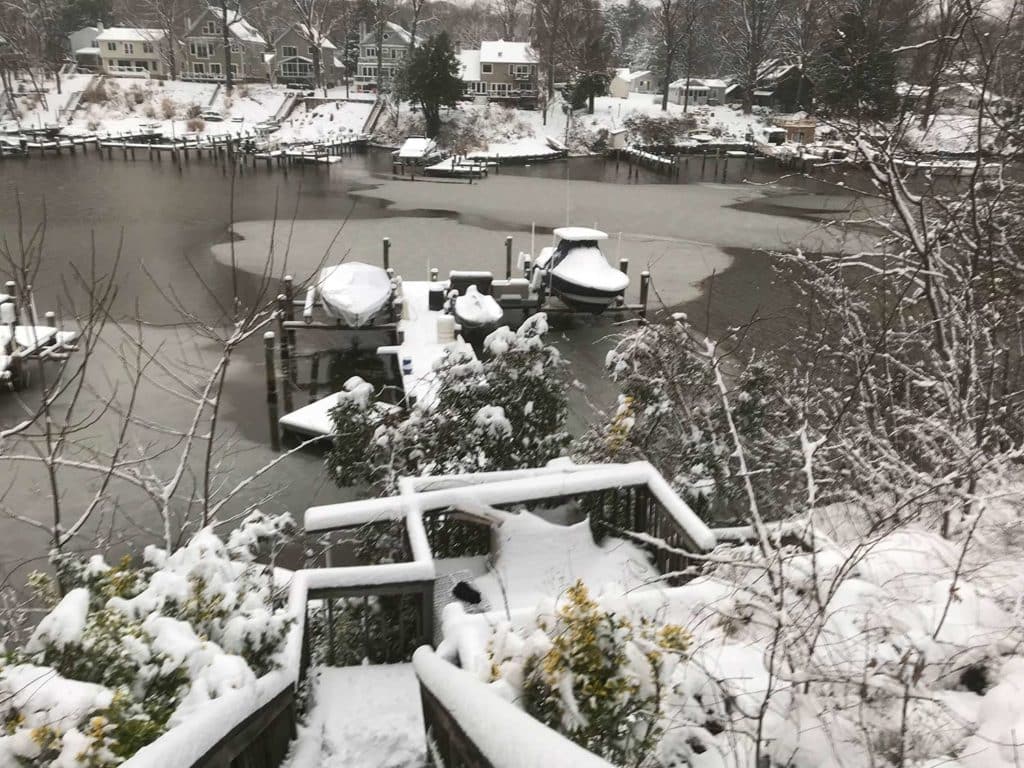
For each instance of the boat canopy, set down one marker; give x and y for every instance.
(580, 234)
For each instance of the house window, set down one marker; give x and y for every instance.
(141, 65)
(370, 53)
(234, 70)
(520, 71)
(211, 28)
(111, 46)
(289, 51)
(199, 69)
(499, 89)
(311, 50)
(215, 69)
(236, 48)
(124, 64)
(200, 50)
(368, 71)
(487, 69)
(476, 88)
(147, 47)
(129, 48)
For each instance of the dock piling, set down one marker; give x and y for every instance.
(645, 286)
(268, 355)
(386, 252)
(508, 257)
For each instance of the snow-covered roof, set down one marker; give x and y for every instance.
(580, 233)
(503, 52)
(694, 84)
(311, 34)
(393, 35)
(469, 66)
(130, 35)
(237, 26)
(629, 77)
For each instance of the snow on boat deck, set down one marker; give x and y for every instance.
(363, 717)
(422, 345)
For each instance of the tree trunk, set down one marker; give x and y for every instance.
(227, 49)
(668, 78)
(590, 102)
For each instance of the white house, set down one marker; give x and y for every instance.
(85, 49)
(394, 47)
(469, 73)
(626, 82)
(132, 51)
(701, 91)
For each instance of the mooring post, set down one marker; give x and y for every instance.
(386, 251)
(433, 274)
(286, 355)
(645, 286)
(268, 356)
(11, 289)
(508, 257)
(51, 322)
(314, 377)
(289, 292)
(624, 266)
(9, 317)
(527, 262)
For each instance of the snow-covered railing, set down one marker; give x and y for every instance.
(470, 725)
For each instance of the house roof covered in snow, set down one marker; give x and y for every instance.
(312, 34)
(241, 29)
(503, 52)
(130, 35)
(393, 35)
(469, 66)
(629, 77)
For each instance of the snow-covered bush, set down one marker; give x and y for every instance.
(657, 131)
(893, 649)
(594, 676)
(130, 650)
(671, 414)
(506, 411)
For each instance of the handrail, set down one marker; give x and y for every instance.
(472, 726)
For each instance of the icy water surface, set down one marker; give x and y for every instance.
(166, 229)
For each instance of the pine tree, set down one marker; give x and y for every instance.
(430, 79)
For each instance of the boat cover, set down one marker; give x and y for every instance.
(354, 291)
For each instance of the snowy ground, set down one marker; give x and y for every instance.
(325, 122)
(362, 717)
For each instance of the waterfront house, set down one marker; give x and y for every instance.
(700, 91)
(85, 48)
(204, 48)
(299, 53)
(784, 87)
(133, 52)
(625, 82)
(393, 43)
(508, 70)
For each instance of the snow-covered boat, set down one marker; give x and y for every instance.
(354, 292)
(418, 150)
(577, 272)
(475, 310)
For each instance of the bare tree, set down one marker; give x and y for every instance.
(317, 21)
(673, 30)
(510, 14)
(169, 16)
(550, 20)
(751, 29)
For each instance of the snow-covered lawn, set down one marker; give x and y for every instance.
(336, 120)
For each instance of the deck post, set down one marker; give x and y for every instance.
(508, 257)
(286, 355)
(526, 266)
(386, 252)
(645, 286)
(268, 355)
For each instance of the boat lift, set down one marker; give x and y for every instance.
(419, 324)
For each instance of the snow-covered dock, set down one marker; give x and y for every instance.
(424, 336)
